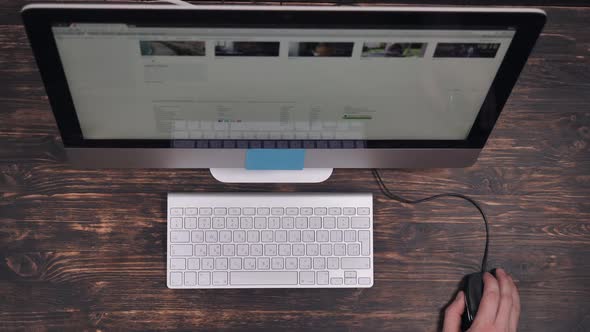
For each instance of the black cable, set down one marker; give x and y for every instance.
(388, 193)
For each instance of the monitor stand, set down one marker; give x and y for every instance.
(242, 175)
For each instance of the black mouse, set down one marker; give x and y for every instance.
(473, 290)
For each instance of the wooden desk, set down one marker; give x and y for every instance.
(85, 249)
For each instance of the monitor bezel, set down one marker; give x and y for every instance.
(39, 20)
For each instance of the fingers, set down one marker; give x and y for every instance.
(515, 314)
(506, 304)
(488, 307)
(453, 313)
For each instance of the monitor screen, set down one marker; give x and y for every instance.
(134, 82)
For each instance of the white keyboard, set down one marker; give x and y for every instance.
(270, 240)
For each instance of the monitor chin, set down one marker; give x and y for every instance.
(242, 175)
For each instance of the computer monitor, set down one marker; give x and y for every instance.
(277, 88)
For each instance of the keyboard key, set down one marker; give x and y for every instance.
(260, 222)
(193, 264)
(225, 236)
(235, 263)
(305, 263)
(253, 236)
(349, 211)
(326, 249)
(221, 263)
(263, 263)
(239, 236)
(301, 222)
(197, 236)
(214, 250)
(298, 249)
(306, 211)
(207, 263)
(292, 211)
(284, 249)
(266, 236)
(190, 222)
(307, 278)
(190, 278)
(232, 223)
(315, 222)
(320, 211)
(336, 236)
(353, 249)
(355, 263)
(218, 222)
(229, 250)
(249, 263)
(274, 222)
(277, 211)
(264, 278)
(263, 211)
(246, 222)
(205, 211)
(339, 249)
(270, 249)
(349, 236)
(350, 281)
(175, 278)
(177, 264)
(312, 249)
(256, 250)
(364, 239)
(181, 250)
(360, 222)
(204, 223)
(219, 278)
(336, 281)
(334, 211)
(211, 236)
(343, 222)
(176, 223)
(179, 236)
(220, 211)
(308, 236)
(329, 222)
(281, 236)
(288, 223)
(322, 277)
(277, 263)
(364, 211)
(176, 212)
(200, 250)
(322, 236)
(291, 263)
(234, 211)
(349, 274)
(191, 211)
(243, 250)
(294, 236)
(204, 278)
(319, 263)
(333, 263)
(249, 211)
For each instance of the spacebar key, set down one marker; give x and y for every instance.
(263, 278)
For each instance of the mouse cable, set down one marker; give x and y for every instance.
(389, 194)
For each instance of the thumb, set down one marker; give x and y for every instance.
(453, 313)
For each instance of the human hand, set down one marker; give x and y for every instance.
(498, 311)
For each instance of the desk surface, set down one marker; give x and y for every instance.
(85, 249)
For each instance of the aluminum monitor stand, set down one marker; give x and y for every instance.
(242, 175)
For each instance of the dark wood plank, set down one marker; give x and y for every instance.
(84, 249)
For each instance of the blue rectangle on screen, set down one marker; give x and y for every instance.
(275, 159)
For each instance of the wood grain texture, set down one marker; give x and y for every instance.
(84, 249)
